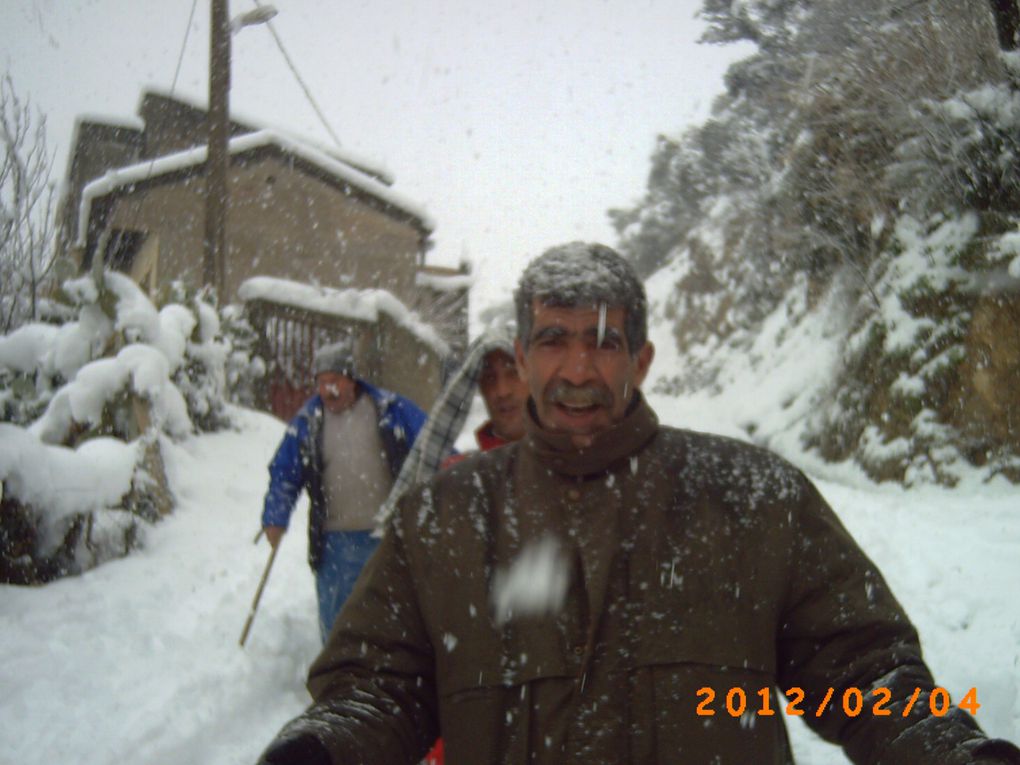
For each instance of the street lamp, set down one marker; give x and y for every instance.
(217, 156)
(259, 15)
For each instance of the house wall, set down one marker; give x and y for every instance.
(174, 214)
(145, 269)
(287, 223)
(407, 365)
(171, 125)
(281, 222)
(97, 148)
(445, 308)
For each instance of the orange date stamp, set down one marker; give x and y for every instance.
(854, 702)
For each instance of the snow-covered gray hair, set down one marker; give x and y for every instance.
(583, 274)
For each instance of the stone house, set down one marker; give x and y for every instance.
(135, 197)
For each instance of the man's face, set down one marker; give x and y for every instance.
(338, 391)
(505, 393)
(580, 386)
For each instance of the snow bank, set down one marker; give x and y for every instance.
(65, 481)
(138, 368)
(26, 348)
(137, 661)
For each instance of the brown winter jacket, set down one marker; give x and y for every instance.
(697, 565)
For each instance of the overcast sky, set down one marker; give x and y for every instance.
(515, 124)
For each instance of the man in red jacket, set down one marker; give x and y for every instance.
(504, 394)
(488, 367)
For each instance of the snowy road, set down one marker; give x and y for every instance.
(137, 661)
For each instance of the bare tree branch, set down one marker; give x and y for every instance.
(27, 207)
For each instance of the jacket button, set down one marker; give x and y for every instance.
(573, 495)
(578, 650)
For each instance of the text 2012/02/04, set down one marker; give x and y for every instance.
(854, 702)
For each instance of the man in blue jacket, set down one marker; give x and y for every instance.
(344, 447)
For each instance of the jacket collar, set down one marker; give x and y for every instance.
(487, 438)
(616, 443)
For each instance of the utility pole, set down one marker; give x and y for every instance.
(217, 158)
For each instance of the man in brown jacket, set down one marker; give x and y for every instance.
(609, 591)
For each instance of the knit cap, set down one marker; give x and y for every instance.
(337, 357)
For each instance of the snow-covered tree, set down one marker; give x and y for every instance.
(85, 405)
(860, 133)
(767, 23)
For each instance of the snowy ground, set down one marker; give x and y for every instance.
(137, 661)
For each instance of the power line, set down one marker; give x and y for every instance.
(103, 242)
(301, 82)
(180, 57)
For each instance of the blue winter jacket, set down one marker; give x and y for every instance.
(297, 463)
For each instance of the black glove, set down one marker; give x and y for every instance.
(994, 750)
(296, 750)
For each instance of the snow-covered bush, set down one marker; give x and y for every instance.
(220, 360)
(86, 403)
(926, 392)
(243, 367)
(63, 510)
(967, 155)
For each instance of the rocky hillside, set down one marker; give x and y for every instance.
(859, 175)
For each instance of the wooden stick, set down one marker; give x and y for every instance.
(258, 595)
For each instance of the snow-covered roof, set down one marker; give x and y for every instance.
(345, 155)
(444, 282)
(361, 304)
(132, 124)
(105, 120)
(153, 168)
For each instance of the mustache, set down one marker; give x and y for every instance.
(568, 394)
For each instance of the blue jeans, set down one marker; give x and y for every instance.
(344, 554)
